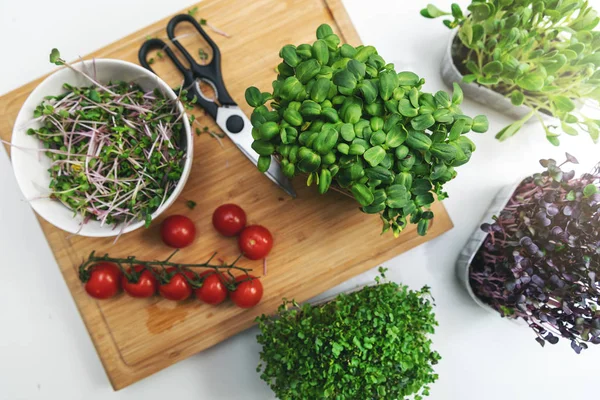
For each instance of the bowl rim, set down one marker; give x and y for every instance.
(106, 230)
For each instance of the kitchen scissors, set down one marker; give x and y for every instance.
(223, 109)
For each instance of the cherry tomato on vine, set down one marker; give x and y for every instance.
(229, 219)
(255, 242)
(178, 288)
(248, 293)
(145, 286)
(104, 280)
(213, 290)
(178, 231)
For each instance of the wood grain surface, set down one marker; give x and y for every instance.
(320, 241)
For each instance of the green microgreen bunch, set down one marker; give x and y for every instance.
(116, 150)
(543, 54)
(371, 344)
(341, 114)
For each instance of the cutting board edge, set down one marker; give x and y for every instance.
(119, 373)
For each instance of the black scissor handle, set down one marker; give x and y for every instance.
(210, 72)
(189, 81)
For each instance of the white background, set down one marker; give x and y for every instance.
(45, 351)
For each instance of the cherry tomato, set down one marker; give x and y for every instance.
(144, 287)
(248, 293)
(104, 280)
(178, 288)
(255, 242)
(213, 291)
(177, 231)
(229, 219)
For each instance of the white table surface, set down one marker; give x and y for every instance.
(45, 351)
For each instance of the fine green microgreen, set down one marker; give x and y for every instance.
(114, 150)
(544, 54)
(341, 115)
(191, 204)
(371, 344)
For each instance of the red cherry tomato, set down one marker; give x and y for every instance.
(229, 219)
(144, 287)
(178, 288)
(255, 242)
(177, 231)
(104, 280)
(213, 290)
(248, 293)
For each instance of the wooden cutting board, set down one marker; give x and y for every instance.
(320, 241)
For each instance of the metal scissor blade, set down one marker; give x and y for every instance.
(243, 140)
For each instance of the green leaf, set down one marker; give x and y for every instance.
(422, 227)
(488, 80)
(465, 33)
(532, 81)
(470, 78)
(513, 128)
(480, 124)
(480, 11)
(253, 97)
(55, 57)
(320, 51)
(396, 136)
(388, 82)
(324, 181)
(405, 108)
(323, 31)
(357, 69)
(493, 68)
(563, 103)
(407, 78)
(422, 122)
(307, 70)
(369, 90)
(413, 96)
(553, 139)
(457, 94)
(593, 130)
(590, 190)
(95, 96)
(442, 99)
(424, 199)
(456, 11)
(397, 196)
(444, 151)
(517, 98)
(457, 129)
(374, 155)
(263, 164)
(432, 12)
(362, 194)
(478, 32)
(344, 78)
(569, 130)
(289, 55)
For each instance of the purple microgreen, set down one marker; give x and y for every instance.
(540, 261)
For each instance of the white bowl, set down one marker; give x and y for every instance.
(31, 166)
